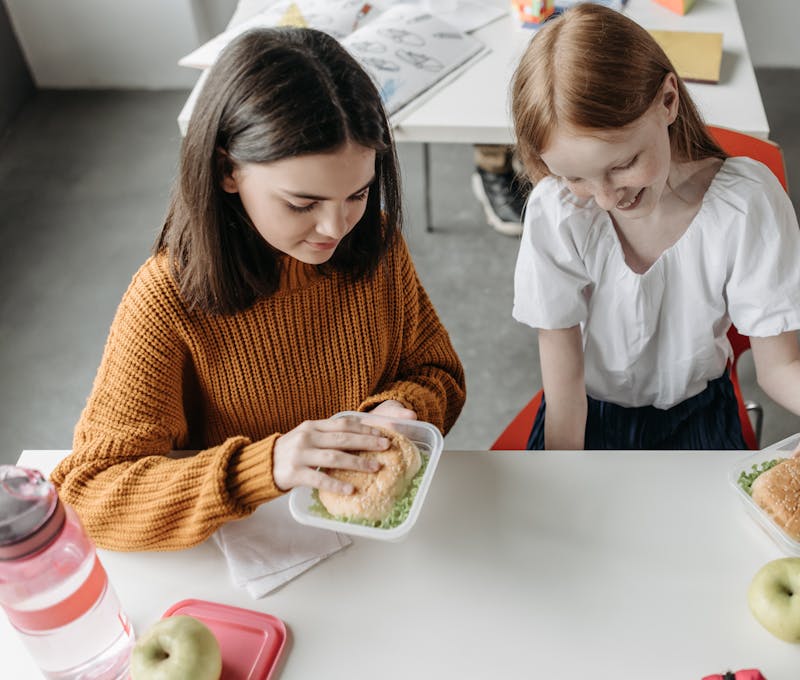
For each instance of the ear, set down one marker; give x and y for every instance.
(227, 171)
(670, 97)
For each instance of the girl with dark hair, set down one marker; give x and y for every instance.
(279, 293)
(642, 244)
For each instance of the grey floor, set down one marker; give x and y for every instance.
(84, 182)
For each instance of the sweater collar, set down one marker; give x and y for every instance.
(296, 274)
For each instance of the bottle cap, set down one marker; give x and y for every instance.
(31, 514)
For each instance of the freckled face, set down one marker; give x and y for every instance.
(305, 205)
(624, 170)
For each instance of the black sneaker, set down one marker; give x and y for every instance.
(503, 198)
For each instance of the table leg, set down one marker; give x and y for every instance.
(426, 185)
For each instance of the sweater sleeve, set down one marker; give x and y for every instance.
(430, 377)
(126, 476)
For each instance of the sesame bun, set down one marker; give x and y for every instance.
(376, 492)
(777, 491)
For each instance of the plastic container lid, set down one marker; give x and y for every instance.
(31, 514)
(251, 642)
(430, 443)
(783, 449)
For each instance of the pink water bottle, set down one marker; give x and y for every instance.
(53, 588)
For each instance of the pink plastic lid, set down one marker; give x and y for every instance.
(251, 642)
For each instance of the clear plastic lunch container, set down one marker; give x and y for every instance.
(429, 441)
(783, 449)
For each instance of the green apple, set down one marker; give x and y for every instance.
(177, 648)
(774, 598)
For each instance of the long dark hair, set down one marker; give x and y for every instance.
(593, 68)
(272, 94)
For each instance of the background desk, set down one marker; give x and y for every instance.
(474, 107)
(564, 566)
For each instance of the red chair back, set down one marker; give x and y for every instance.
(739, 144)
(515, 436)
(741, 343)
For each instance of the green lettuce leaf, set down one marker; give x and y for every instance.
(747, 477)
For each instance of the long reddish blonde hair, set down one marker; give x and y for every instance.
(591, 67)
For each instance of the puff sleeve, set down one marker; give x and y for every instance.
(763, 287)
(551, 282)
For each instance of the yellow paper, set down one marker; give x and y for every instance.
(293, 17)
(695, 56)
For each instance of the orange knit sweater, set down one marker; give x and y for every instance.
(227, 386)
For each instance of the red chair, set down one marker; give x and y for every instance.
(515, 436)
(739, 144)
(752, 435)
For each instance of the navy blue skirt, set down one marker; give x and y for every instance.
(709, 420)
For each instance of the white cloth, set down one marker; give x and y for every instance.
(657, 338)
(269, 548)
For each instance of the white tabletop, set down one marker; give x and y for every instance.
(551, 565)
(474, 107)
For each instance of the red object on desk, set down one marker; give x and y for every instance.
(677, 6)
(750, 674)
(251, 642)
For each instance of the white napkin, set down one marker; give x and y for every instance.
(269, 548)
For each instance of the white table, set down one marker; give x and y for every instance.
(474, 108)
(562, 566)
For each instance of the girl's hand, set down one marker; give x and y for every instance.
(323, 444)
(393, 409)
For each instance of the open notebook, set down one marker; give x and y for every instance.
(405, 49)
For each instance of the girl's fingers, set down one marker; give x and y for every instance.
(360, 438)
(333, 459)
(394, 409)
(319, 480)
(324, 444)
(345, 441)
(345, 424)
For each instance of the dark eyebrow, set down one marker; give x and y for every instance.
(312, 197)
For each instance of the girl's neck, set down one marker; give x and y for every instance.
(683, 194)
(643, 240)
(689, 180)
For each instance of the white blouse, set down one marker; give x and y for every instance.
(658, 337)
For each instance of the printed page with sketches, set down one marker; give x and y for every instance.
(407, 50)
(338, 18)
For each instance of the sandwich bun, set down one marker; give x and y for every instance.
(777, 492)
(376, 492)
